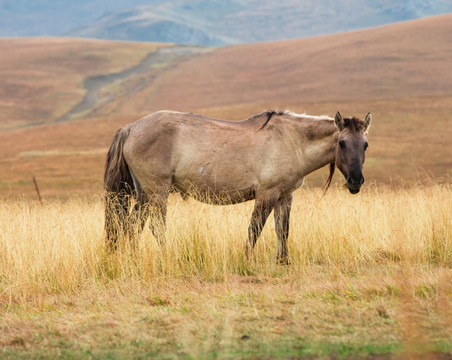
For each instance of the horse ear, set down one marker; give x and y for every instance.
(339, 121)
(367, 122)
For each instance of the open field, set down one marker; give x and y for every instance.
(370, 274)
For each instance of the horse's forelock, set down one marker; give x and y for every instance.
(354, 124)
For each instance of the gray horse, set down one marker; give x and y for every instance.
(263, 158)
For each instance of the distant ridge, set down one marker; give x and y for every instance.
(221, 22)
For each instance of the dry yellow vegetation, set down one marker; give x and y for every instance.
(369, 273)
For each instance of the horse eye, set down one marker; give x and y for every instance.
(366, 145)
(342, 144)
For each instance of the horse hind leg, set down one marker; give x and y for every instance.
(152, 198)
(157, 209)
(138, 216)
(153, 206)
(141, 207)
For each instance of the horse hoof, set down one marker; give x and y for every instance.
(283, 261)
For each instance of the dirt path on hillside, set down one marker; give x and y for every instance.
(153, 64)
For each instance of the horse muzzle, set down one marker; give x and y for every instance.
(354, 185)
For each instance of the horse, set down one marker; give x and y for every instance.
(263, 158)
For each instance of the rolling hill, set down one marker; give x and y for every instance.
(407, 59)
(44, 79)
(220, 22)
(205, 22)
(401, 73)
(53, 18)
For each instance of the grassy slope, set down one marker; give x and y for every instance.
(66, 158)
(42, 78)
(404, 83)
(402, 60)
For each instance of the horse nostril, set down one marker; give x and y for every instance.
(352, 182)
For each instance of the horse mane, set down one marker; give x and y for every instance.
(330, 178)
(269, 114)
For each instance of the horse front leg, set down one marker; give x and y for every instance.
(262, 209)
(282, 216)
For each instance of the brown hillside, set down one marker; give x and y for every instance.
(407, 59)
(42, 78)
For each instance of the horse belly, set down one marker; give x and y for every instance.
(209, 196)
(215, 187)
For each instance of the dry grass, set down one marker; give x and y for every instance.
(370, 273)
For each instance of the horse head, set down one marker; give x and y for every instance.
(350, 149)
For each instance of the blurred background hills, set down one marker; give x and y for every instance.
(205, 22)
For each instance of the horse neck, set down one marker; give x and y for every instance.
(317, 141)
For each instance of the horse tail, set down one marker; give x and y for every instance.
(119, 187)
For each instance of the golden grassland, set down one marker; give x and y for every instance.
(369, 273)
